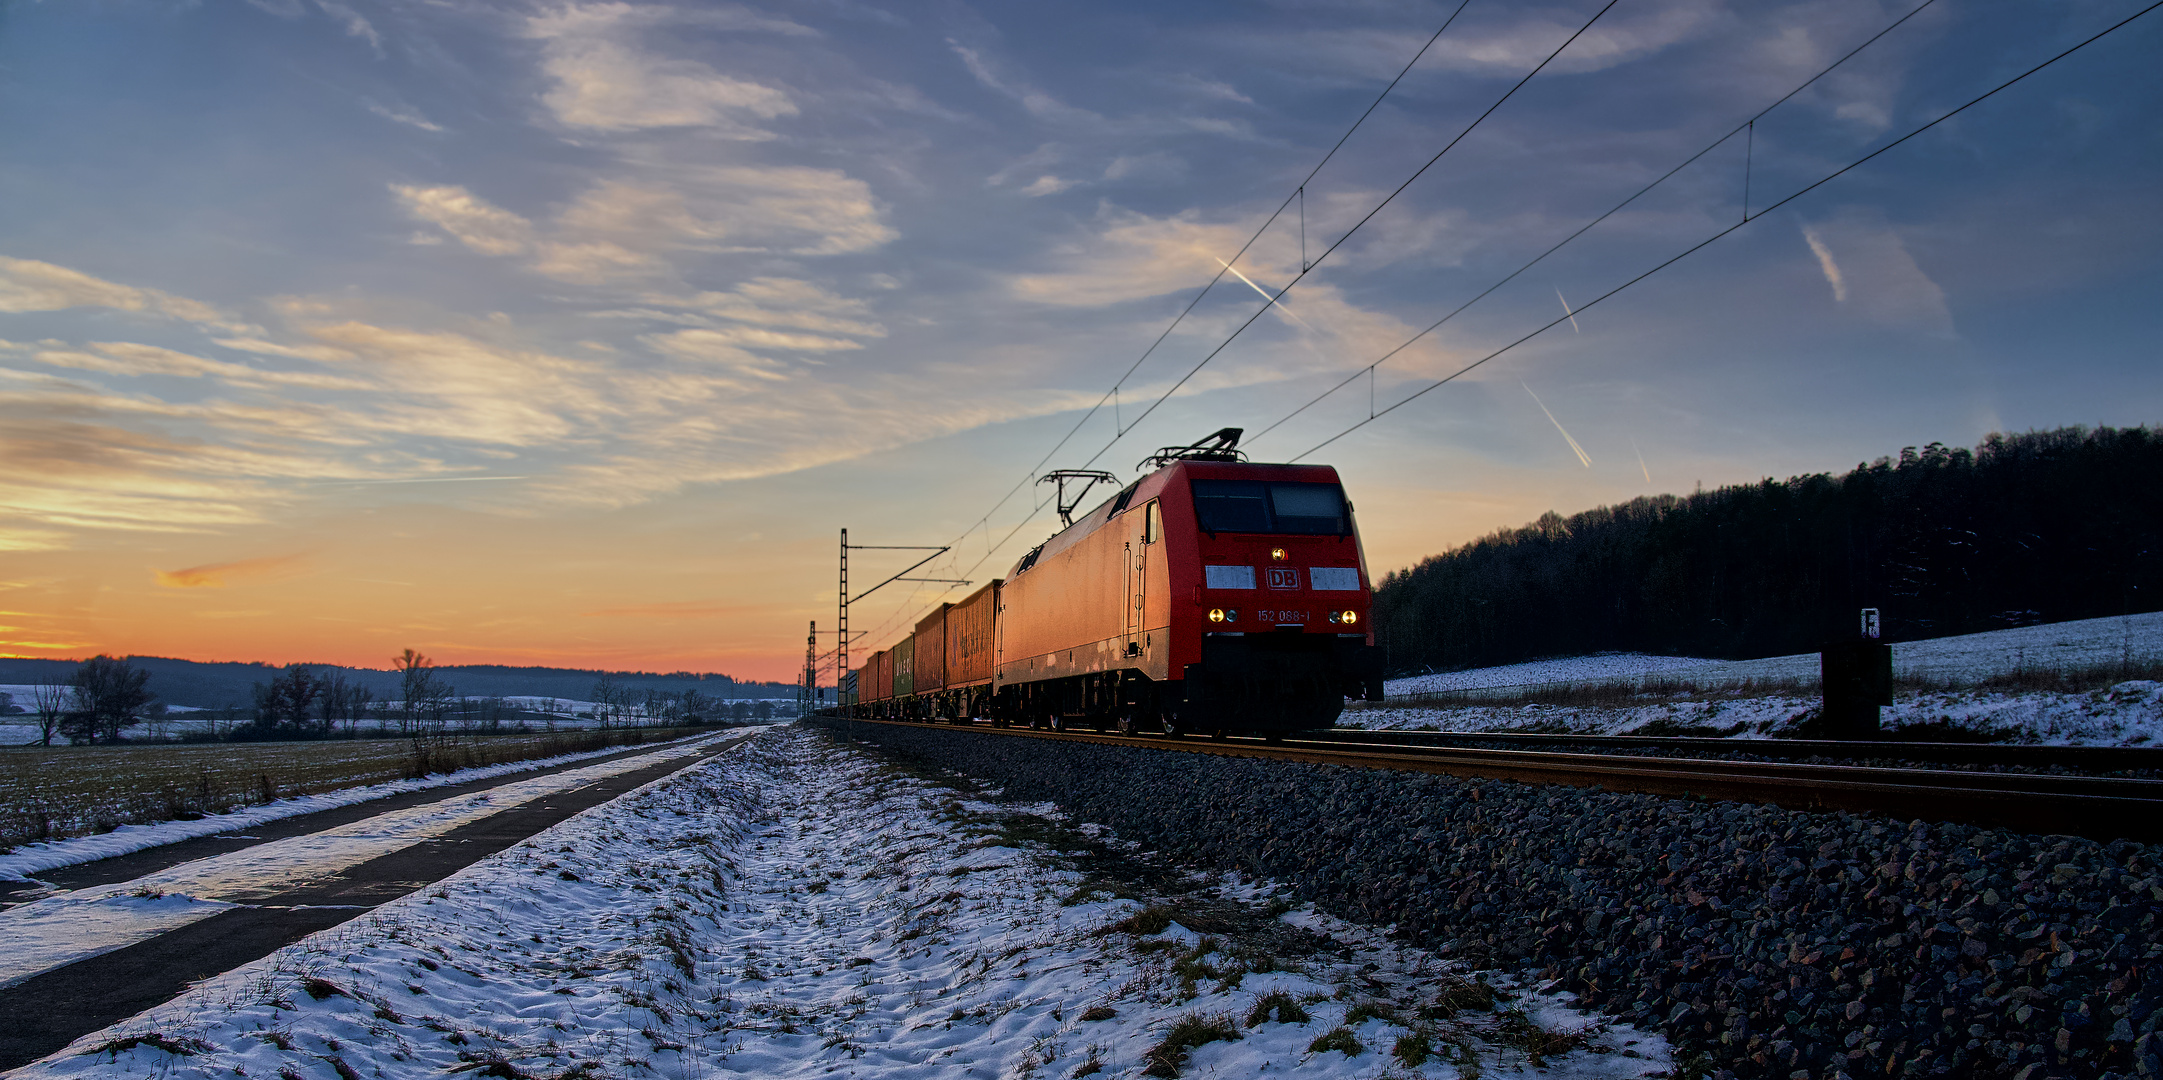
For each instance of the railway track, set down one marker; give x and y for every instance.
(2102, 808)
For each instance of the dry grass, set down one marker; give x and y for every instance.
(60, 791)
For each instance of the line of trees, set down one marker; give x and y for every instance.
(2038, 527)
(104, 697)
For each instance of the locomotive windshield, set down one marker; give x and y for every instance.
(1257, 506)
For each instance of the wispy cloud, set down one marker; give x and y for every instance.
(218, 575)
(406, 115)
(605, 80)
(1831, 269)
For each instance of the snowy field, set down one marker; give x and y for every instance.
(795, 909)
(2128, 714)
(561, 714)
(67, 926)
(1966, 659)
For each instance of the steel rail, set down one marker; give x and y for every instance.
(2098, 808)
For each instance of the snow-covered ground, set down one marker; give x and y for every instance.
(31, 859)
(793, 908)
(72, 925)
(1965, 659)
(2128, 714)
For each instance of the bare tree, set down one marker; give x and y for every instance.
(109, 696)
(50, 702)
(608, 697)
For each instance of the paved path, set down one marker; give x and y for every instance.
(47, 1011)
(135, 864)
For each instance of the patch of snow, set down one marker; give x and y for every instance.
(1961, 659)
(1600, 667)
(2128, 714)
(54, 930)
(31, 859)
(793, 909)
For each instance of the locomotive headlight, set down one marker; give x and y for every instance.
(1276, 554)
(1349, 618)
(1216, 614)
(1231, 614)
(1336, 616)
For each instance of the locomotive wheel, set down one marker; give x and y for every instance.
(1172, 727)
(1273, 736)
(1221, 734)
(1126, 723)
(1058, 722)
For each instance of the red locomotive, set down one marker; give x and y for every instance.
(1212, 595)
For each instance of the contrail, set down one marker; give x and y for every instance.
(1640, 460)
(1265, 294)
(420, 480)
(1565, 309)
(1574, 448)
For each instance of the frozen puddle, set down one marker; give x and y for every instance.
(797, 909)
(69, 926)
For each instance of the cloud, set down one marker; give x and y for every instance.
(670, 609)
(777, 301)
(1042, 157)
(1039, 104)
(30, 285)
(792, 210)
(1131, 257)
(403, 115)
(604, 82)
(354, 24)
(1159, 167)
(1873, 274)
(1047, 185)
(620, 230)
(1826, 263)
(216, 575)
(473, 221)
(129, 358)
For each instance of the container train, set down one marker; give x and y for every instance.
(1213, 595)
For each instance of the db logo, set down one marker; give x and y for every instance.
(1283, 577)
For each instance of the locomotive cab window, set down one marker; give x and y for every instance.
(1152, 523)
(1254, 506)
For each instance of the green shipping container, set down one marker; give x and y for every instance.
(905, 667)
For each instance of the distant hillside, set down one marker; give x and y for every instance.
(210, 686)
(2025, 529)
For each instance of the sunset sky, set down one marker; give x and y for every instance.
(570, 334)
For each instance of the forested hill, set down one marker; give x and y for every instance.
(217, 685)
(2040, 527)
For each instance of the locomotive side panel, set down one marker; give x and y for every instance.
(1073, 612)
(930, 651)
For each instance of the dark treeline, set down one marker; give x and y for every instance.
(208, 685)
(2040, 527)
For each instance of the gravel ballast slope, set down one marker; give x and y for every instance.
(1776, 942)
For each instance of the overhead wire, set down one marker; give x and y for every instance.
(1298, 192)
(1326, 252)
(1702, 244)
(1747, 125)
